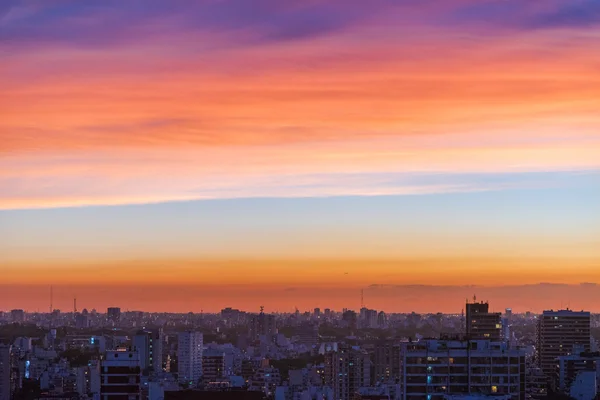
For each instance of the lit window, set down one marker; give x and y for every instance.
(494, 389)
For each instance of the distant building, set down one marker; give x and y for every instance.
(113, 314)
(350, 319)
(82, 321)
(189, 357)
(381, 320)
(432, 369)
(17, 316)
(308, 334)
(346, 371)
(482, 324)
(262, 324)
(120, 376)
(559, 333)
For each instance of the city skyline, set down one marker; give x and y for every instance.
(388, 298)
(300, 151)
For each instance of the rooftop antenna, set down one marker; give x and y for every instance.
(51, 298)
(262, 309)
(362, 298)
(474, 298)
(74, 305)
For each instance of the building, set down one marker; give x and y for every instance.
(6, 373)
(308, 334)
(113, 314)
(536, 383)
(262, 324)
(120, 375)
(88, 379)
(82, 321)
(213, 395)
(481, 323)
(350, 319)
(572, 366)
(382, 320)
(585, 386)
(432, 369)
(559, 333)
(265, 380)
(386, 361)
(346, 371)
(476, 397)
(368, 318)
(189, 357)
(149, 344)
(17, 316)
(213, 366)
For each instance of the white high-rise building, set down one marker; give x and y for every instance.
(189, 357)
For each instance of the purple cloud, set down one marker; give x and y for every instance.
(99, 23)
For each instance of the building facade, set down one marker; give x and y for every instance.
(346, 371)
(149, 344)
(432, 369)
(189, 357)
(481, 323)
(560, 333)
(120, 375)
(6, 372)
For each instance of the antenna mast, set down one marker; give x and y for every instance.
(362, 298)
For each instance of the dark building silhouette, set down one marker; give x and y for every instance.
(482, 324)
(226, 394)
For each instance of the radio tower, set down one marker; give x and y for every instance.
(74, 305)
(51, 297)
(362, 298)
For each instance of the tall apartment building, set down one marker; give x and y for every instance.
(88, 379)
(189, 357)
(386, 362)
(432, 369)
(346, 371)
(120, 376)
(559, 333)
(6, 372)
(481, 323)
(149, 344)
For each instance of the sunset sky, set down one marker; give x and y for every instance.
(180, 155)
